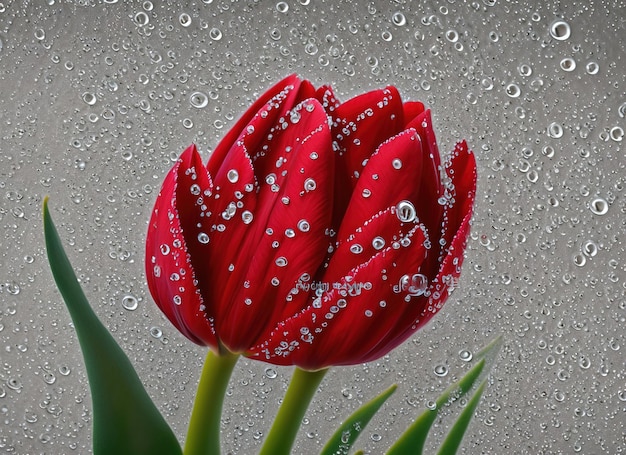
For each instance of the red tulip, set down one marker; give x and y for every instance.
(319, 233)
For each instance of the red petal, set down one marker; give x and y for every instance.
(459, 193)
(391, 175)
(411, 110)
(428, 209)
(360, 125)
(342, 326)
(455, 230)
(170, 273)
(295, 204)
(326, 96)
(290, 91)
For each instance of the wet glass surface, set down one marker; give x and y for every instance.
(98, 99)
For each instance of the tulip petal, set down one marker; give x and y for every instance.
(430, 188)
(388, 178)
(455, 231)
(291, 90)
(326, 96)
(169, 270)
(288, 240)
(460, 191)
(360, 125)
(411, 110)
(346, 322)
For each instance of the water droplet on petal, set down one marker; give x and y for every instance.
(281, 261)
(356, 248)
(203, 238)
(247, 217)
(378, 243)
(397, 163)
(309, 184)
(405, 211)
(304, 226)
(233, 176)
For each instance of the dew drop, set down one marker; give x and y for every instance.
(405, 211)
(568, 64)
(247, 217)
(281, 261)
(513, 90)
(398, 19)
(304, 226)
(555, 130)
(215, 34)
(203, 238)
(233, 176)
(130, 302)
(378, 243)
(441, 370)
(89, 98)
(356, 248)
(282, 7)
(198, 100)
(156, 332)
(599, 206)
(560, 30)
(184, 19)
(397, 163)
(465, 355)
(309, 184)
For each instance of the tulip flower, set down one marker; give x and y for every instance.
(319, 233)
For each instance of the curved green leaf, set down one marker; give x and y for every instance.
(413, 440)
(345, 436)
(125, 421)
(453, 440)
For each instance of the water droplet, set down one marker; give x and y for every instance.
(184, 19)
(356, 248)
(568, 64)
(89, 98)
(465, 355)
(398, 19)
(592, 68)
(309, 184)
(579, 260)
(270, 373)
(513, 90)
(141, 18)
(215, 34)
(281, 261)
(233, 176)
(203, 238)
(441, 370)
(130, 302)
(560, 30)
(555, 130)
(198, 100)
(304, 226)
(378, 243)
(156, 332)
(599, 206)
(405, 211)
(397, 163)
(247, 217)
(616, 133)
(282, 7)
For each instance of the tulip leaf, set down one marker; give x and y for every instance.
(345, 436)
(125, 420)
(413, 440)
(453, 440)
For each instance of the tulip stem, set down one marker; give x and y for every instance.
(203, 434)
(301, 389)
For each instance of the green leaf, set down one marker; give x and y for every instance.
(413, 440)
(345, 436)
(125, 421)
(453, 440)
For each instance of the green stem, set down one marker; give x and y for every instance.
(203, 434)
(301, 389)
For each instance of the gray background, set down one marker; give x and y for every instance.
(95, 104)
